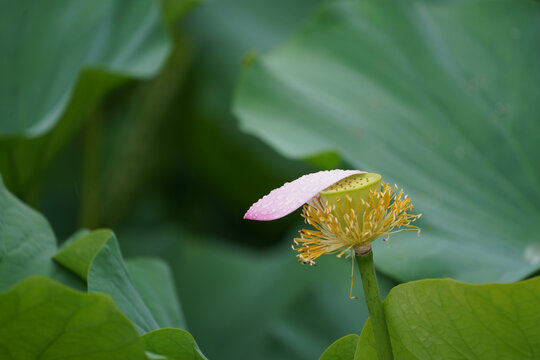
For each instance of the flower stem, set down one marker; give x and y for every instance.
(374, 304)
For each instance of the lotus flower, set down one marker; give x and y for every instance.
(348, 210)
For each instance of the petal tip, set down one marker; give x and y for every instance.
(292, 195)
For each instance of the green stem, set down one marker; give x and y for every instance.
(374, 304)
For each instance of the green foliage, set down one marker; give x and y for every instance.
(82, 326)
(41, 319)
(62, 70)
(440, 97)
(96, 258)
(343, 348)
(451, 320)
(51, 54)
(447, 319)
(175, 344)
(23, 159)
(79, 326)
(27, 242)
(278, 307)
(172, 10)
(154, 282)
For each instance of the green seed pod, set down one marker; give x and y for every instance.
(354, 188)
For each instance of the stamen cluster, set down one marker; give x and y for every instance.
(339, 228)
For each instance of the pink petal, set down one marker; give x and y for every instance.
(284, 200)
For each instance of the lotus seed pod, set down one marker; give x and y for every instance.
(356, 188)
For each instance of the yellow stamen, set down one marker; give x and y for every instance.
(384, 211)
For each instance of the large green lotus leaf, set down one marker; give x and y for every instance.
(49, 43)
(151, 277)
(343, 348)
(41, 319)
(445, 319)
(438, 96)
(27, 244)
(175, 344)
(96, 258)
(155, 284)
(277, 307)
(106, 46)
(22, 159)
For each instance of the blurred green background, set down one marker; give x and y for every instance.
(165, 120)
